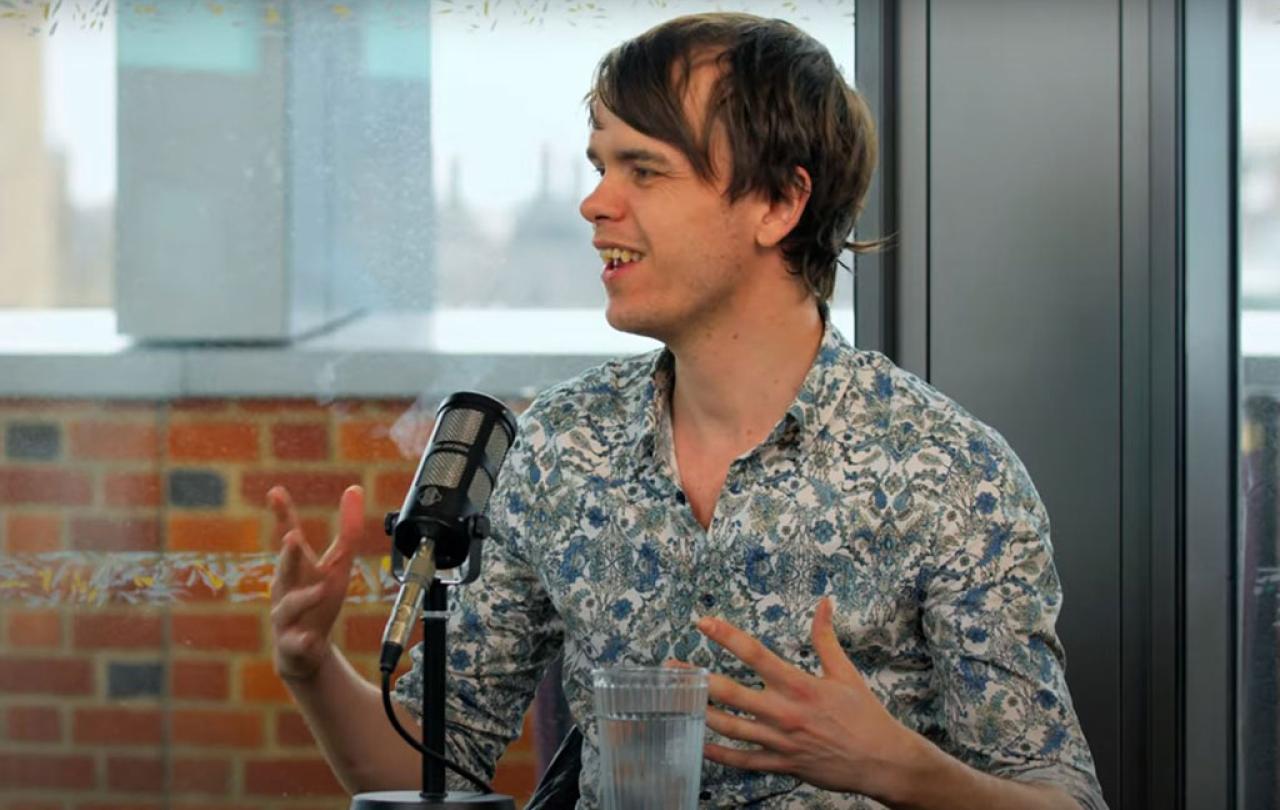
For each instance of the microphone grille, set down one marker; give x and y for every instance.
(460, 425)
(444, 468)
(481, 487)
(497, 446)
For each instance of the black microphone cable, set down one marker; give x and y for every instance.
(419, 747)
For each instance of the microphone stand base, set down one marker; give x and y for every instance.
(413, 800)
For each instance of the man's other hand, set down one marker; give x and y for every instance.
(829, 731)
(307, 592)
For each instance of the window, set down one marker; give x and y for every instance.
(1259, 211)
(248, 243)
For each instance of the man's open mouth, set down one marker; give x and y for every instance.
(617, 257)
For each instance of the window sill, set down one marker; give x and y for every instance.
(78, 354)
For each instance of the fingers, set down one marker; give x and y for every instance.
(751, 652)
(293, 566)
(758, 702)
(293, 604)
(282, 505)
(748, 760)
(350, 529)
(835, 664)
(748, 730)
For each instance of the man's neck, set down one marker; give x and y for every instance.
(735, 381)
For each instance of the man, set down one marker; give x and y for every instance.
(758, 498)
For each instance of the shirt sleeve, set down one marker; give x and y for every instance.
(992, 601)
(502, 633)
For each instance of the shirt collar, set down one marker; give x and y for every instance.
(813, 407)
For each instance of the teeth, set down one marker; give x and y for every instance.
(611, 255)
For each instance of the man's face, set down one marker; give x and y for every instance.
(695, 250)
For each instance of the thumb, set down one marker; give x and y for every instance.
(835, 664)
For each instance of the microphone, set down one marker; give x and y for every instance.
(442, 524)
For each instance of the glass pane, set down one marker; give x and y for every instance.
(1259, 232)
(314, 161)
(231, 236)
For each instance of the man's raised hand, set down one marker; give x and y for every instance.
(307, 592)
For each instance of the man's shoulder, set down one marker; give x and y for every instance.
(909, 403)
(607, 393)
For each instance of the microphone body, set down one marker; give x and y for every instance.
(417, 579)
(442, 524)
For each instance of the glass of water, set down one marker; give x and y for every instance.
(651, 722)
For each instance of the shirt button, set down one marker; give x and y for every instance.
(680, 498)
(708, 599)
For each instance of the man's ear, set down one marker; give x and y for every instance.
(781, 216)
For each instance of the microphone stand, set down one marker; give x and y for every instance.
(434, 795)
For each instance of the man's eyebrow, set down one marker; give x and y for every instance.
(633, 155)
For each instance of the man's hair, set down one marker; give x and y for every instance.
(781, 102)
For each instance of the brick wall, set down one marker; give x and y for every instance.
(135, 665)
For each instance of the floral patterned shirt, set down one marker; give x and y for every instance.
(918, 520)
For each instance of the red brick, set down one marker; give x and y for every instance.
(317, 530)
(367, 440)
(236, 632)
(33, 534)
(133, 489)
(291, 729)
(306, 488)
(115, 534)
(307, 406)
(260, 684)
(148, 407)
(217, 727)
(290, 777)
(198, 405)
(115, 441)
(213, 441)
(300, 441)
(374, 540)
(35, 805)
(122, 805)
(199, 680)
(211, 776)
(46, 676)
(60, 487)
(135, 774)
(53, 771)
(98, 726)
(34, 628)
(121, 630)
(389, 488)
(362, 633)
(217, 533)
(34, 724)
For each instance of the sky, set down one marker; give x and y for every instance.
(503, 90)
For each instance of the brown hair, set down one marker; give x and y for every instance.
(781, 102)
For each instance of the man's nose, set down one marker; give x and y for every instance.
(601, 204)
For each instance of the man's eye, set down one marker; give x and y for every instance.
(642, 173)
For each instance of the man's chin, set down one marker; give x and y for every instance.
(634, 323)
